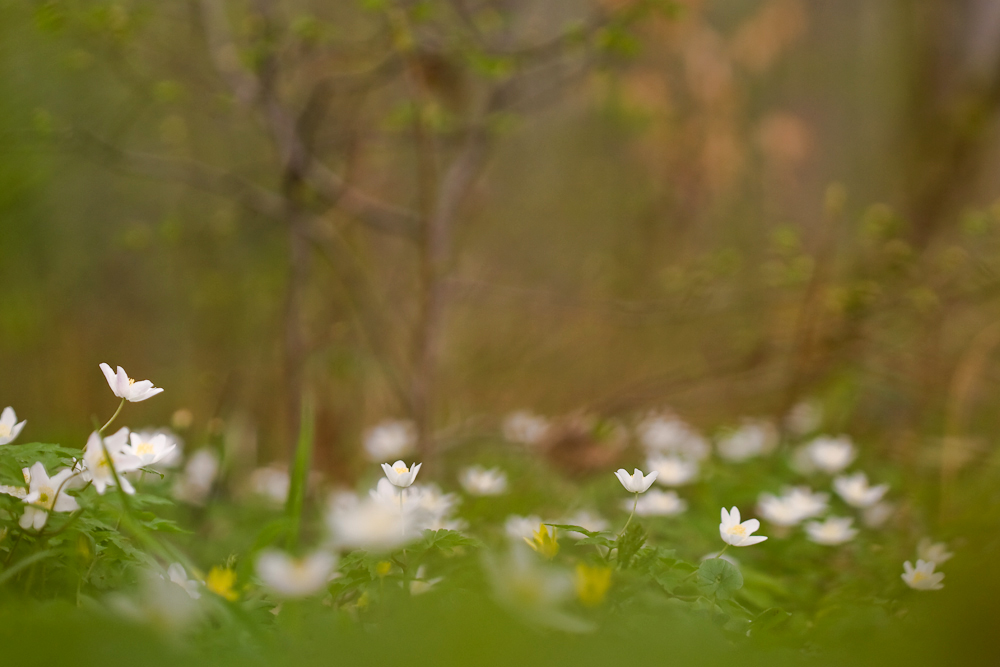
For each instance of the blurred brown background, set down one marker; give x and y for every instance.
(453, 208)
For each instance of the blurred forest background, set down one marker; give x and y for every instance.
(449, 209)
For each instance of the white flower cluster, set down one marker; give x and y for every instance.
(525, 427)
(390, 440)
(104, 464)
(753, 438)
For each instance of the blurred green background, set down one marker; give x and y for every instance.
(718, 206)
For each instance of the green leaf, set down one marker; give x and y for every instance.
(597, 539)
(769, 618)
(300, 471)
(629, 543)
(270, 533)
(15, 457)
(671, 573)
(574, 529)
(443, 539)
(719, 577)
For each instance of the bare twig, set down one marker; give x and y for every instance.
(258, 92)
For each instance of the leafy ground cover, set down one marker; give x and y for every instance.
(764, 545)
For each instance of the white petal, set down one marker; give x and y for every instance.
(38, 475)
(110, 376)
(121, 383)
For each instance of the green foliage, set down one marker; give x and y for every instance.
(628, 544)
(719, 578)
(14, 458)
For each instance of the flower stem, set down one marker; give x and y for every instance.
(634, 504)
(402, 517)
(113, 417)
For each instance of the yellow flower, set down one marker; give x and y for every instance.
(592, 583)
(383, 568)
(544, 541)
(221, 581)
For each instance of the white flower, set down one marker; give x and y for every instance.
(877, 514)
(101, 466)
(479, 481)
(178, 575)
(149, 447)
(159, 603)
(658, 503)
(828, 454)
(778, 510)
(797, 504)
(423, 507)
(922, 577)
(525, 427)
(672, 470)
(399, 474)
(808, 503)
(295, 577)
(46, 494)
(520, 527)
(432, 507)
(175, 456)
(636, 483)
(199, 475)
(738, 534)
(668, 435)
(9, 428)
(271, 483)
(389, 440)
(753, 438)
(587, 520)
(933, 552)
(18, 491)
(367, 523)
(804, 417)
(125, 387)
(834, 530)
(855, 491)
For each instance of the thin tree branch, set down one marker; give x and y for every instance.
(254, 91)
(196, 174)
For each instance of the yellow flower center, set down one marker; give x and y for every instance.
(4, 430)
(401, 469)
(738, 529)
(131, 381)
(47, 497)
(144, 449)
(918, 576)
